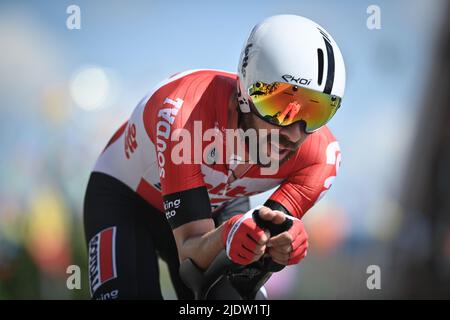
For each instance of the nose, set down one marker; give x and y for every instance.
(293, 133)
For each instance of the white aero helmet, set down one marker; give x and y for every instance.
(291, 70)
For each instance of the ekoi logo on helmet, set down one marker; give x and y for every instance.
(290, 78)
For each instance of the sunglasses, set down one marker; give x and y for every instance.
(284, 104)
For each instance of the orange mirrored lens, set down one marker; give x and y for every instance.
(284, 104)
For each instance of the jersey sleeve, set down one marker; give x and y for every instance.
(173, 115)
(320, 157)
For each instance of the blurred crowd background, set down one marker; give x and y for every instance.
(64, 92)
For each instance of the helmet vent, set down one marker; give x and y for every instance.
(320, 64)
(330, 71)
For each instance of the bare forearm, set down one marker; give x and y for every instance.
(202, 248)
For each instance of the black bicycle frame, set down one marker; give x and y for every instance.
(246, 280)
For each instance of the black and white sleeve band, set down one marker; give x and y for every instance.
(186, 206)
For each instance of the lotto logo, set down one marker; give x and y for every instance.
(102, 258)
(170, 207)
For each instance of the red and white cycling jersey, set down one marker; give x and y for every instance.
(139, 153)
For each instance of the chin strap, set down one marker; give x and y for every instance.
(240, 117)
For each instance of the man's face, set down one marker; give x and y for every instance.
(290, 137)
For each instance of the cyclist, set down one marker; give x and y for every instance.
(153, 194)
